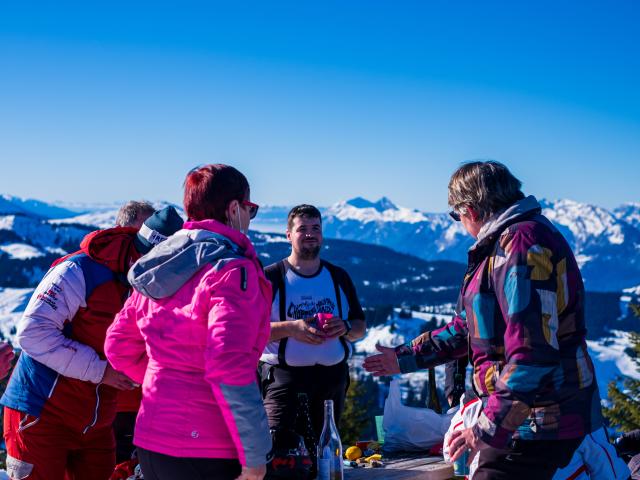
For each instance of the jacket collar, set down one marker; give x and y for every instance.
(498, 222)
(237, 237)
(112, 247)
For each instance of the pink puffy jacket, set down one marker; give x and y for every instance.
(192, 334)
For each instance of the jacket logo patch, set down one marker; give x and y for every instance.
(51, 296)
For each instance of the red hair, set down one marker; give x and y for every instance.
(208, 190)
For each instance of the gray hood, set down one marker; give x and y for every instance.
(499, 221)
(169, 265)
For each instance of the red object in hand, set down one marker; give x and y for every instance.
(322, 318)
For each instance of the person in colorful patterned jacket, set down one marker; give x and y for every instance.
(192, 333)
(60, 402)
(520, 317)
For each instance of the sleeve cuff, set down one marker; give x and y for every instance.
(98, 371)
(407, 364)
(490, 433)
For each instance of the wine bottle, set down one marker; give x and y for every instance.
(330, 466)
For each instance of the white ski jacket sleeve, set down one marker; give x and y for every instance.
(40, 331)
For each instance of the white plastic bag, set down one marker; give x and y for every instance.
(409, 429)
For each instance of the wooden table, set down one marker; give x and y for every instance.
(412, 468)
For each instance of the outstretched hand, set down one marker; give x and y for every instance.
(384, 363)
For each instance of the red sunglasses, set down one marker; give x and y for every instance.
(253, 208)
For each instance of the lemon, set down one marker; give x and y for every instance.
(353, 453)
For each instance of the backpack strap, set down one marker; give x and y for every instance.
(336, 278)
(275, 273)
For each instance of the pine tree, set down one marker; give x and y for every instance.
(624, 411)
(356, 414)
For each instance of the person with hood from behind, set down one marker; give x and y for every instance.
(60, 402)
(192, 333)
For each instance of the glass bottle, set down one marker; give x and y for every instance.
(330, 465)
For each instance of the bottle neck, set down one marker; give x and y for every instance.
(328, 412)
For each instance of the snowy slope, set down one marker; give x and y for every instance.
(13, 301)
(103, 217)
(629, 212)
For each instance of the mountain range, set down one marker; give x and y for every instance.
(606, 243)
(397, 257)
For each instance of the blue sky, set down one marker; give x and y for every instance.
(319, 101)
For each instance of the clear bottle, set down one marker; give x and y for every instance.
(330, 466)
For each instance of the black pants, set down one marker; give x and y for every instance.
(156, 466)
(526, 460)
(123, 427)
(281, 385)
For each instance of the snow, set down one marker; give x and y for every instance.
(633, 290)
(13, 301)
(582, 260)
(610, 360)
(629, 212)
(100, 220)
(102, 216)
(33, 230)
(404, 330)
(21, 251)
(382, 211)
(274, 238)
(585, 221)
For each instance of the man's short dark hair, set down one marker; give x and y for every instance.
(303, 210)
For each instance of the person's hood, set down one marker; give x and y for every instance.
(522, 209)
(112, 247)
(165, 269)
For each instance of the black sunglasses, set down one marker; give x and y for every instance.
(253, 208)
(455, 215)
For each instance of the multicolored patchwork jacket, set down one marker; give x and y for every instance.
(521, 321)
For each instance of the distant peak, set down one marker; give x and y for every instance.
(385, 204)
(381, 205)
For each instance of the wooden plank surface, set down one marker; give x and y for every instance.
(416, 468)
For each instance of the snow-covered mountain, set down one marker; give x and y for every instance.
(10, 205)
(606, 244)
(104, 216)
(629, 212)
(432, 236)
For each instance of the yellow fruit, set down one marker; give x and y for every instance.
(376, 457)
(353, 453)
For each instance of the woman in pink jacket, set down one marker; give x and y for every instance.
(192, 333)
